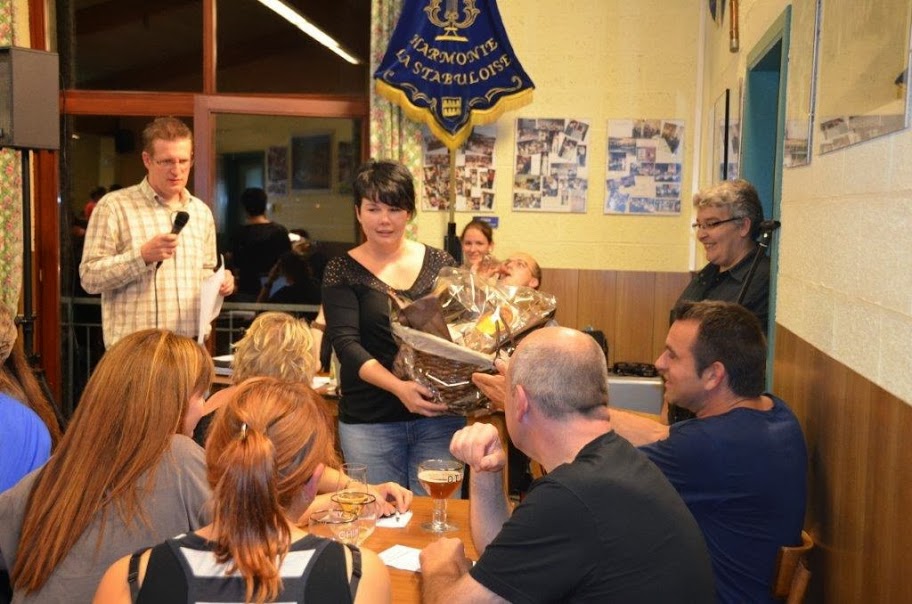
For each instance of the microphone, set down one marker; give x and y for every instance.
(770, 225)
(180, 221)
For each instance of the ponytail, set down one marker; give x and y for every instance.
(251, 529)
(263, 448)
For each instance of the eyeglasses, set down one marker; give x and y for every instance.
(708, 226)
(174, 163)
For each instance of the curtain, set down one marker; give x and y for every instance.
(10, 195)
(392, 134)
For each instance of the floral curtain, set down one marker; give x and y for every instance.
(392, 134)
(10, 195)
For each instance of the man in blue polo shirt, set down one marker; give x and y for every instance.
(741, 464)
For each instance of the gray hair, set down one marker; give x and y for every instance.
(562, 375)
(739, 196)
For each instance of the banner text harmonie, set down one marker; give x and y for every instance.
(478, 53)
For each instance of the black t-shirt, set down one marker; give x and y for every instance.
(357, 307)
(607, 527)
(256, 249)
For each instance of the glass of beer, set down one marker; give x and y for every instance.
(352, 494)
(334, 524)
(440, 478)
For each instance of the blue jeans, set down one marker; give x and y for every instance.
(392, 451)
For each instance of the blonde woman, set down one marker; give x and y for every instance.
(278, 345)
(124, 475)
(265, 455)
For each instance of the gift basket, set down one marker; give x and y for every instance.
(459, 329)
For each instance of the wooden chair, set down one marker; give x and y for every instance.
(791, 579)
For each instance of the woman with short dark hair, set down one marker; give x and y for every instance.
(385, 422)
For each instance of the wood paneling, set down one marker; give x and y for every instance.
(858, 478)
(632, 308)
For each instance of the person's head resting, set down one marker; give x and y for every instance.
(738, 198)
(387, 182)
(560, 371)
(477, 241)
(730, 335)
(275, 345)
(265, 453)
(147, 387)
(521, 269)
(254, 201)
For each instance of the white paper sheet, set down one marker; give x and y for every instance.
(210, 300)
(400, 521)
(402, 556)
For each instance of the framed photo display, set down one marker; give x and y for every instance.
(644, 166)
(551, 171)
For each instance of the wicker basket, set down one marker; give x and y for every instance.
(444, 368)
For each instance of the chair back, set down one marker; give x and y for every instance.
(792, 575)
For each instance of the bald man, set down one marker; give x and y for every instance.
(602, 525)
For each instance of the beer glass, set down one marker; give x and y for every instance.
(440, 478)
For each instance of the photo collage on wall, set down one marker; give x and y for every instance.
(551, 169)
(474, 172)
(645, 157)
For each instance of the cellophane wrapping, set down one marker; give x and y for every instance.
(481, 318)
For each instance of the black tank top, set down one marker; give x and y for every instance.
(184, 569)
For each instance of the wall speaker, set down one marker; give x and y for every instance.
(29, 99)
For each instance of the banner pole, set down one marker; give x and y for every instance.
(451, 242)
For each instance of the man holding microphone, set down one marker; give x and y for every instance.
(148, 247)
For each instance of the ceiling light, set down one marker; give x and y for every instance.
(291, 15)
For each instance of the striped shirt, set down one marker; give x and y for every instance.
(135, 295)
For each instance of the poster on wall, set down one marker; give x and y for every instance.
(277, 170)
(551, 168)
(310, 161)
(475, 172)
(644, 166)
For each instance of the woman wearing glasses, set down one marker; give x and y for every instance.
(728, 223)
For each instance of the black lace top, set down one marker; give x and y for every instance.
(357, 307)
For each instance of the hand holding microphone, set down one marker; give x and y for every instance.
(161, 247)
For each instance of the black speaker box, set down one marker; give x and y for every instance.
(29, 99)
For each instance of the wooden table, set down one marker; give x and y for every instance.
(407, 585)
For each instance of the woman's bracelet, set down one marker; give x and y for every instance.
(318, 326)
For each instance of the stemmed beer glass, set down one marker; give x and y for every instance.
(352, 497)
(440, 478)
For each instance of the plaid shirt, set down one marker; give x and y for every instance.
(112, 264)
